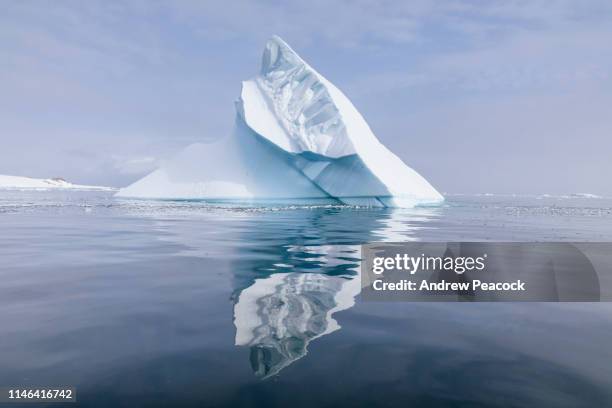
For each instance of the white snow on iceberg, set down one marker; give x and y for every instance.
(27, 183)
(297, 137)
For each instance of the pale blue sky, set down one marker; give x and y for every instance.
(478, 96)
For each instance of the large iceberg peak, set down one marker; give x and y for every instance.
(300, 102)
(295, 108)
(278, 55)
(297, 137)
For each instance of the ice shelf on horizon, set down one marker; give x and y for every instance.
(296, 137)
(28, 183)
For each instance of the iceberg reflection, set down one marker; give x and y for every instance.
(289, 300)
(280, 315)
(291, 269)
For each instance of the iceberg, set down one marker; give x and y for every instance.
(296, 138)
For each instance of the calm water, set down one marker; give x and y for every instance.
(180, 304)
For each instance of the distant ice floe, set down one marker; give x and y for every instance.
(537, 196)
(296, 138)
(567, 196)
(28, 184)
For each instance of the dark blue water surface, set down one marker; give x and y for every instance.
(187, 304)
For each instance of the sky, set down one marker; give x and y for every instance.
(477, 96)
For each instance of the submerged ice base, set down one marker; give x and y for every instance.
(296, 137)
